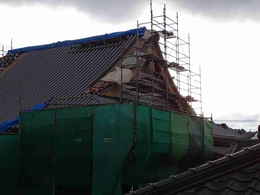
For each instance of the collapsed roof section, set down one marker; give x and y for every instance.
(126, 66)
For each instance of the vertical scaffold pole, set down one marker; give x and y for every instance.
(151, 11)
(3, 50)
(165, 52)
(201, 108)
(189, 61)
(121, 83)
(177, 50)
(11, 44)
(165, 32)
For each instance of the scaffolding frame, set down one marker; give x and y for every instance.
(4, 48)
(176, 59)
(177, 53)
(3, 51)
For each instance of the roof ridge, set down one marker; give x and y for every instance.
(177, 181)
(136, 31)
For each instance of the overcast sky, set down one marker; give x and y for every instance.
(224, 34)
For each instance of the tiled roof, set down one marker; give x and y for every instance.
(227, 132)
(132, 32)
(63, 71)
(238, 173)
(87, 99)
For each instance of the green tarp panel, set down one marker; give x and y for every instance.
(161, 131)
(8, 164)
(73, 148)
(37, 153)
(98, 148)
(208, 139)
(56, 149)
(180, 135)
(113, 138)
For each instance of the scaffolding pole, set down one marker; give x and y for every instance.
(177, 53)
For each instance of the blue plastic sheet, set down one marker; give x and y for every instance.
(138, 31)
(4, 126)
(8, 124)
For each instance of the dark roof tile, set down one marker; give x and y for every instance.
(238, 173)
(87, 99)
(58, 72)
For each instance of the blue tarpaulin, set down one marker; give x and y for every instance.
(4, 126)
(138, 31)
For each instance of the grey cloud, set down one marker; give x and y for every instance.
(122, 10)
(106, 10)
(222, 9)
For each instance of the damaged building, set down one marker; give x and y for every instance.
(66, 104)
(120, 67)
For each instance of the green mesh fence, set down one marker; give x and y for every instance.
(98, 148)
(8, 164)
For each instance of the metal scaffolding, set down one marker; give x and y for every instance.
(147, 69)
(176, 51)
(4, 48)
(2, 51)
